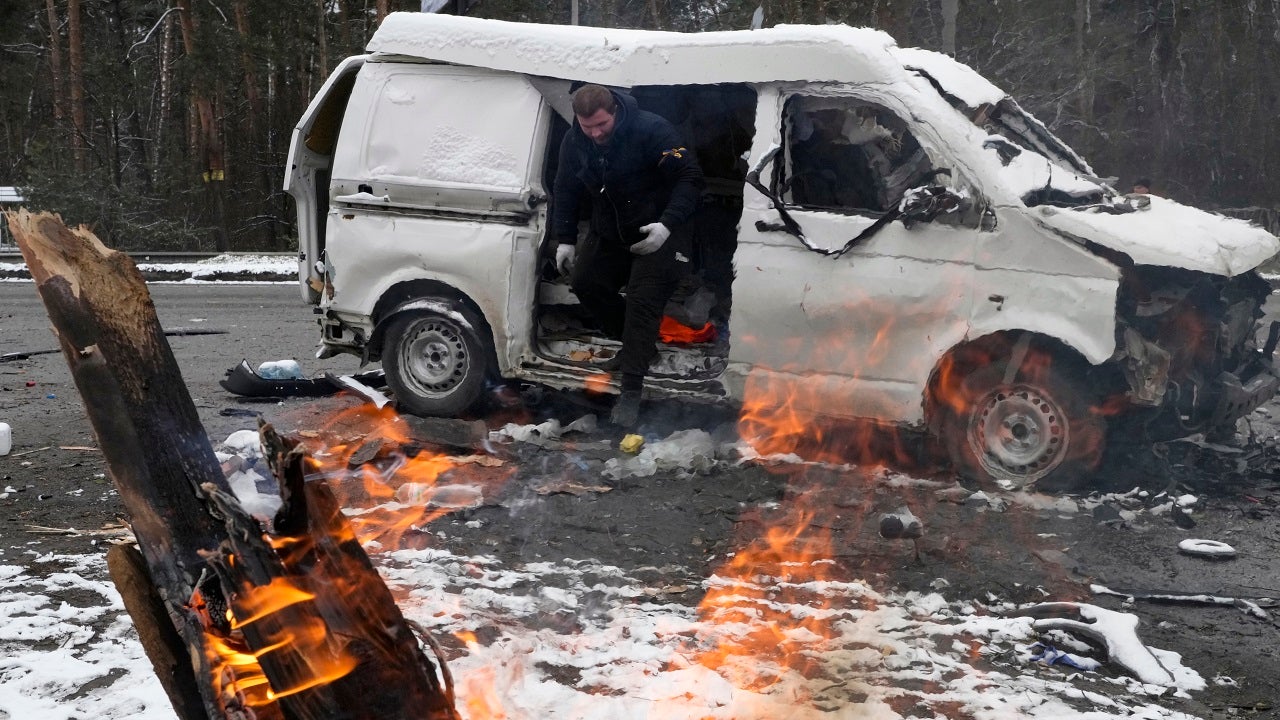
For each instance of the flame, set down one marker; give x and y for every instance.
(597, 383)
(259, 602)
(756, 634)
(404, 489)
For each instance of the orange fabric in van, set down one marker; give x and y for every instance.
(674, 332)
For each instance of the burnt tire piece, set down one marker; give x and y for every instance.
(1034, 425)
(436, 362)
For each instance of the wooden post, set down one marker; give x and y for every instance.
(325, 631)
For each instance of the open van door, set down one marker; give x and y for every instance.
(310, 167)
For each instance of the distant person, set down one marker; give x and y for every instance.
(1141, 186)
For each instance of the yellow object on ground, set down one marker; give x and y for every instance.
(631, 444)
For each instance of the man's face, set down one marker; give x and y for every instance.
(597, 126)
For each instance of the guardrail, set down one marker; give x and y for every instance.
(12, 254)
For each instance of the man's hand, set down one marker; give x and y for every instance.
(655, 235)
(565, 255)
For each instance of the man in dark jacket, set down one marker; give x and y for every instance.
(643, 186)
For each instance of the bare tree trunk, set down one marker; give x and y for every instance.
(133, 159)
(383, 10)
(75, 52)
(210, 145)
(1084, 64)
(255, 119)
(322, 36)
(950, 13)
(165, 84)
(55, 64)
(344, 19)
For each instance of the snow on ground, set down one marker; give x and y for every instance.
(574, 639)
(270, 268)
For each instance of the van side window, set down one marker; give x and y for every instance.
(846, 155)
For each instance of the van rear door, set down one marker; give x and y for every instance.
(310, 167)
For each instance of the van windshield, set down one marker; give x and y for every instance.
(1040, 167)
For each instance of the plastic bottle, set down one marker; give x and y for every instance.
(280, 370)
(6, 438)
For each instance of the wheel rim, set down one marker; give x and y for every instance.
(1019, 434)
(435, 357)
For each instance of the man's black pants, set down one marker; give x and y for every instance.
(603, 268)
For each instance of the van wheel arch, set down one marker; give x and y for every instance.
(1038, 423)
(400, 296)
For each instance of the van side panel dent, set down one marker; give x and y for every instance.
(381, 250)
(1026, 279)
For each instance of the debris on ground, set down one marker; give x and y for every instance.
(1117, 632)
(242, 380)
(545, 431)
(1211, 549)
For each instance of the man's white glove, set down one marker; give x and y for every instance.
(655, 235)
(564, 257)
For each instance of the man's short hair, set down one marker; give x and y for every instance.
(590, 98)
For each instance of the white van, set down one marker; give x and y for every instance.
(991, 290)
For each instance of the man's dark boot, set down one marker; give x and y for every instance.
(626, 411)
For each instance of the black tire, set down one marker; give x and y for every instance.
(436, 363)
(1035, 427)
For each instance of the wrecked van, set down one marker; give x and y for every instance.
(885, 236)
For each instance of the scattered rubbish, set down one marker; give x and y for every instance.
(238, 412)
(444, 497)
(447, 431)
(1181, 517)
(544, 431)
(31, 383)
(245, 443)
(258, 493)
(1206, 548)
(50, 396)
(1117, 632)
(901, 524)
(184, 331)
(1050, 655)
(366, 452)
(110, 530)
(31, 452)
(1252, 606)
(347, 382)
(687, 451)
(955, 494)
(631, 444)
(481, 460)
(280, 370)
(81, 448)
(569, 487)
(25, 354)
(242, 380)
(6, 438)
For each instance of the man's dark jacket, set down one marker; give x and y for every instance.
(646, 174)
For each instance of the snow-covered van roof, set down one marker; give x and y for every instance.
(626, 58)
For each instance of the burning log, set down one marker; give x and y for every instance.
(294, 623)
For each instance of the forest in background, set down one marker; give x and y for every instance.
(164, 124)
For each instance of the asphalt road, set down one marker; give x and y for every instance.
(1020, 552)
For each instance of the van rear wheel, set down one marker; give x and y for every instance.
(435, 362)
(1021, 428)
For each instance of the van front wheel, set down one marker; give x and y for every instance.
(435, 363)
(1016, 429)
